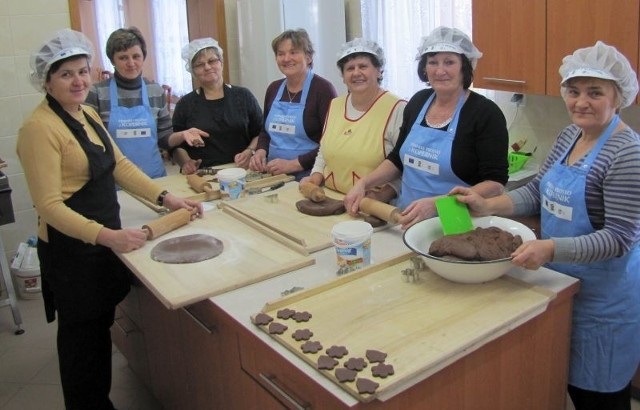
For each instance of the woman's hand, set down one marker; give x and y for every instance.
(283, 166)
(173, 203)
(191, 166)
(194, 137)
(478, 205)
(533, 254)
(243, 158)
(353, 198)
(258, 161)
(417, 211)
(122, 240)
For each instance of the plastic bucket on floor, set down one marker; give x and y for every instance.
(232, 182)
(352, 241)
(25, 270)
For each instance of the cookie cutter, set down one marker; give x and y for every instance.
(290, 291)
(272, 199)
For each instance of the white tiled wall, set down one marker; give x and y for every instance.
(23, 25)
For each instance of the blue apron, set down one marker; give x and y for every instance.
(605, 339)
(135, 131)
(426, 156)
(285, 126)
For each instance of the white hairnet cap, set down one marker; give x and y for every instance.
(190, 50)
(602, 61)
(449, 40)
(62, 44)
(360, 45)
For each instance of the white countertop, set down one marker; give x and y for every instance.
(242, 303)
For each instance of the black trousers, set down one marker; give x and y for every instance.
(593, 400)
(84, 354)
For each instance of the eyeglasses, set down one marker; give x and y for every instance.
(212, 61)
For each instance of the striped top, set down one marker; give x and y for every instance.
(613, 198)
(129, 95)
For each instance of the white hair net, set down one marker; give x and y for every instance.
(602, 61)
(360, 45)
(62, 44)
(449, 40)
(190, 50)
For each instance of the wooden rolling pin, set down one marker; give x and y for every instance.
(312, 191)
(386, 212)
(199, 184)
(167, 223)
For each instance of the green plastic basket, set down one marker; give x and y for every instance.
(517, 161)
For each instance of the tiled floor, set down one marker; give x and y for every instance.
(29, 378)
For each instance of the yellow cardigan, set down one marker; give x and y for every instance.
(55, 167)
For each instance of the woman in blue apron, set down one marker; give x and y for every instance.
(295, 110)
(449, 136)
(72, 167)
(134, 110)
(587, 192)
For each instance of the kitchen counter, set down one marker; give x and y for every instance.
(237, 306)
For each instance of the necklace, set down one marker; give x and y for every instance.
(439, 125)
(291, 97)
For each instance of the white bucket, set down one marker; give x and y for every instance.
(25, 269)
(352, 241)
(232, 182)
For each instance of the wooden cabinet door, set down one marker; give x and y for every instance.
(512, 37)
(164, 342)
(573, 24)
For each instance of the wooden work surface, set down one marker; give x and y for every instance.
(283, 220)
(249, 256)
(423, 326)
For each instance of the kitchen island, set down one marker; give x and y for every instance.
(210, 355)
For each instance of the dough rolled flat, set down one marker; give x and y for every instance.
(187, 249)
(328, 206)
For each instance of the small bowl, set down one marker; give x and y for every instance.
(419, 237)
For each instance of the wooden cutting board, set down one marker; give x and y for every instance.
(422, 326)
(248, 257)
(282, 218)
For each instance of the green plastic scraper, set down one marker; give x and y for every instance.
(454, 216)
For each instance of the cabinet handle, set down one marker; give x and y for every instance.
(504, 80)
(289, 401)
(211, 329)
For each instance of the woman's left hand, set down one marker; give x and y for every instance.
(283, 166)
(417, 211)
(173, 203)
(533, 254)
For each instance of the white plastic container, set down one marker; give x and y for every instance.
(352, 241)
(25, 270)
(232, 182)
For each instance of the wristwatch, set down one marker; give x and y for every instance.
(160, 200)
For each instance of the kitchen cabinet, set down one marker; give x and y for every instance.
(524, 42)
(128, 336)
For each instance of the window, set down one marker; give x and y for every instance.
(398, 26)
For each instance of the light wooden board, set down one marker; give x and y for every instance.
(422, 326)
(248, 257)
(311, 232)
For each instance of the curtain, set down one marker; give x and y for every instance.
(398, 25)
(111, 18)
(171, 33)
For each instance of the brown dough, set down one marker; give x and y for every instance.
(366, 386)
(481, 244)
(375, 356)
(337, 351)
(374, 221)
(355, 363)
(187, 249)
(327, 207)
